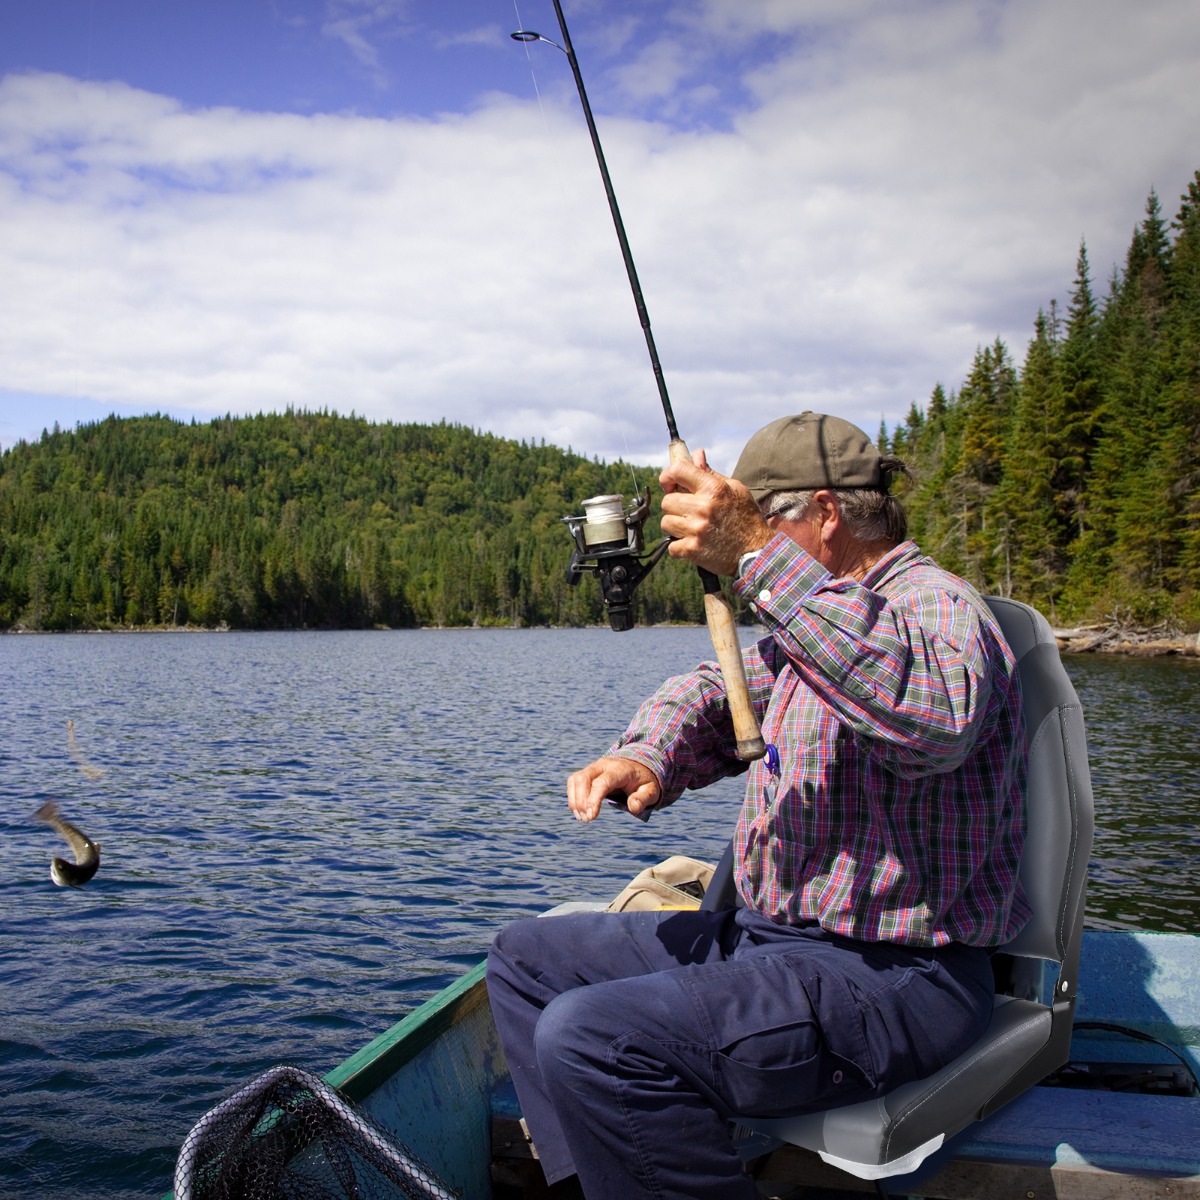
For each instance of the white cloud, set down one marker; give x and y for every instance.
(361, 25)
(905, 184)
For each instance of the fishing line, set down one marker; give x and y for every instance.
(618, 590)
(637, 487)
(562, 193)
(75, 368)
(532, 73)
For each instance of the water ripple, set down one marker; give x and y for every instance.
(306, 835)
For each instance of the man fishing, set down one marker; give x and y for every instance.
(875, 855)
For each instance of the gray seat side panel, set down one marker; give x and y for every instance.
(877, 1131)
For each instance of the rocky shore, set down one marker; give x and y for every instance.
(1122, 639)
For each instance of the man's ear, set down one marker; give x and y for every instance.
(831, 514)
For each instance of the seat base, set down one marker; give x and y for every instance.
(1132, 1147)
(903, 1165)
(893, 1134)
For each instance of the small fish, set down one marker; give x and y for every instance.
(87, 852)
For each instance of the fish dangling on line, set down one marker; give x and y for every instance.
(87, 852)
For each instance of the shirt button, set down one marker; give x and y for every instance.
(764, 597)
(837, 1077)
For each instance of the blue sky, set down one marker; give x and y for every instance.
(389, 207)
(283, 56)
(379, 58)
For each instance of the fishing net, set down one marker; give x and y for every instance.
(289, 1136)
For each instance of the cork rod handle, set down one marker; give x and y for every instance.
(718, 612)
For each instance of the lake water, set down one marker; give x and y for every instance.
(306, 835)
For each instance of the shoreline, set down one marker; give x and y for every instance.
(1130, 642)
(1089, 639)
(160, 629)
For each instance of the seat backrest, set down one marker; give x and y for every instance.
(1036, 972)
(1058, 805)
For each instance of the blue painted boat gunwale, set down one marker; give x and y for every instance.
(1109, 1143)
(367, 1069)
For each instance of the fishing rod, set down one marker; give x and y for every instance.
(619, 565)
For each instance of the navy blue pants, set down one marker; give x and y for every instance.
(633, 1037)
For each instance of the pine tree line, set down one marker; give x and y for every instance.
(302, 520)
(1074, 482)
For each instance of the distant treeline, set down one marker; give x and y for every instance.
(302, 520)
(1072, 482)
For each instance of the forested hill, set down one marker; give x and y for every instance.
(1073, 481)
(301, 520)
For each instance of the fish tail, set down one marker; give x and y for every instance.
(48, 812)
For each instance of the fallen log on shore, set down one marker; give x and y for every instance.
(1124, 639)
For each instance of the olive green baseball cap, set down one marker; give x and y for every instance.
(806, 452)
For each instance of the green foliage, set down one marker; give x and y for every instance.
(1075, 483)
(302, 520)
(1026, 520)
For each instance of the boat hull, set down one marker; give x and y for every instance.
(438, 1079)
(431, 1078)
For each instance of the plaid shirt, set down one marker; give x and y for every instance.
(895, 810)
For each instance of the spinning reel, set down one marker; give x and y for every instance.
(609, 543)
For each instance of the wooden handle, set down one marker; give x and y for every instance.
(718, 612)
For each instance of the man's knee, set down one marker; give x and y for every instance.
(515, 947)
(511, 939)
(573, 1034)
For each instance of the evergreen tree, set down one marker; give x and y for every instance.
(1024, 512)
(1079, 488)
(1129, 535)
(988, 401)
(1076, 404)
(934, 508)
(1181, 431)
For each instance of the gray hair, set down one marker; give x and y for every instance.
(870, 515)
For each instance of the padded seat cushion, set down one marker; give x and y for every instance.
(906, 1119)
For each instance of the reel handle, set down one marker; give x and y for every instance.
(718, 612)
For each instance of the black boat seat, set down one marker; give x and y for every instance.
(1037, 971)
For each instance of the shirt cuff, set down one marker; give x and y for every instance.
(779, 576)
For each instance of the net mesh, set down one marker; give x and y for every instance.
(289, 1136)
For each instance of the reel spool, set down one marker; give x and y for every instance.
(609, 542)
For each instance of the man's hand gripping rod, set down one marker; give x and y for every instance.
(717, 609)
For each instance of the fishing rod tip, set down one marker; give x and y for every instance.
(530, 35)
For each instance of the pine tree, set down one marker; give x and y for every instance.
(1077, 403)
(1024, 512)
(1133, 519)
(934, 451)
(1181, 434)
(988, 402)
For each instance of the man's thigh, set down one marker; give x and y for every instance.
(770, 1029)
(769, 1033)
(578, 949)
